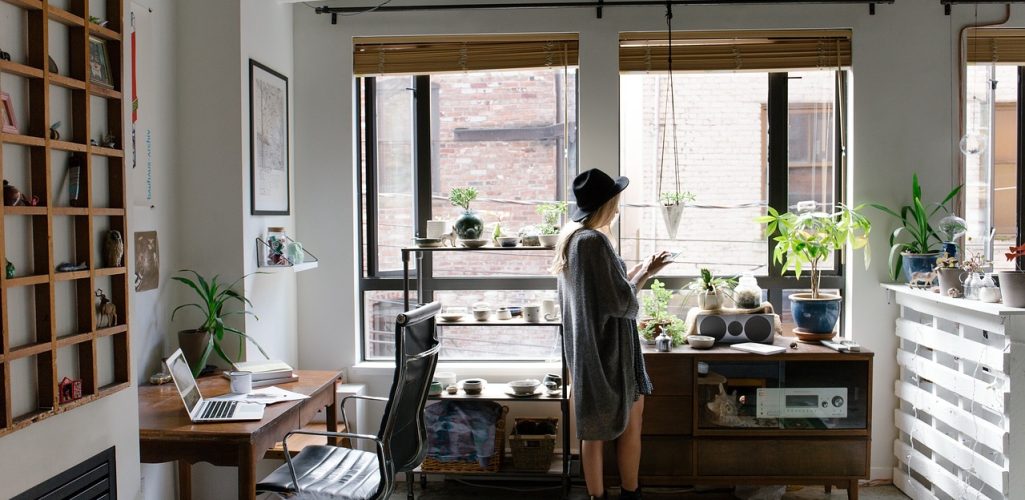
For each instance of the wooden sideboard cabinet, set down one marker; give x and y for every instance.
(822, 434)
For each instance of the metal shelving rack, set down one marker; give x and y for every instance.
(494, 392)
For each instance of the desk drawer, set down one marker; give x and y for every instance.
(671, 375)
(660, 456)
(668, 415)
(782, 457)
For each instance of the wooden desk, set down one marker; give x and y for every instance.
(166, 434)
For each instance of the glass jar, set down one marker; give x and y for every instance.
(747, 294)
(277, 239)
(971, 286)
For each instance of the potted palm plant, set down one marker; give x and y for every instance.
(711, 289)
(551, 216)
(673, 203)
(807, 240)
(468, 226)
(915, 245)
(208, 337)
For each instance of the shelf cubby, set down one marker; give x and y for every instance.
(49, 319)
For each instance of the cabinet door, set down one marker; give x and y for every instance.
(783, 457)
(671, 375)
(661, 456)
(668, 415)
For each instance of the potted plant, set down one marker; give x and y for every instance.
(711, 290)
(1012, 283)
(808, 239)
(672, 209)
(468, 226)
(949, 272)
(918, 251)
(551, 215)
(657, 317)
(213, 296)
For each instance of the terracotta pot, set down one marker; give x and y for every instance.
(193, 343)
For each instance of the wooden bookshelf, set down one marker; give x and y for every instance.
(101, 352)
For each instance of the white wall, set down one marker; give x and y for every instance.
(903, 122)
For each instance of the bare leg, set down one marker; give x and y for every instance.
(628, 447)
(591, 454)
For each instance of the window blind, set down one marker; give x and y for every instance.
(735, 50)
(996, 45)
(436, 54)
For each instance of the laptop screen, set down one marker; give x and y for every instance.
(183, 379)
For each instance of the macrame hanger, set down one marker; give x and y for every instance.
(671, 105)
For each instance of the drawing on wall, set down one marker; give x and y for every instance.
(147, 261)
(140, 149)
(268, 140)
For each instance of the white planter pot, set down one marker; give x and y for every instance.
(710, 301)
(671, 215)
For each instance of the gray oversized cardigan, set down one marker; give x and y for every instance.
(602, 349)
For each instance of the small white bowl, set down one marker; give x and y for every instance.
(548, 240)
(508, 241)
(473, 243)
(700, 341)
(481, 314)
(524, 387)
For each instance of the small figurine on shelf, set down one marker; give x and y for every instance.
(70, 389)
(96, 20)
(115, 248)
(9, 270)
(33, 201)
(108, 140)
(67, 267)
(106, 311)
(55, 134)
(5, 56)
(13, 197)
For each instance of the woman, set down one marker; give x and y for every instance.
(599, 310)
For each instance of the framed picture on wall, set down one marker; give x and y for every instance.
(8, 123)
(268, 141)
(99, 63)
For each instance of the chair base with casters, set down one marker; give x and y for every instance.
(331, 472)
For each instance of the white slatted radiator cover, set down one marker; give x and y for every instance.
(960, 388)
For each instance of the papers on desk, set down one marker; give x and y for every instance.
(266, 395)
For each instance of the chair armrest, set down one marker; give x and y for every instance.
(341, 404)
(352, 435)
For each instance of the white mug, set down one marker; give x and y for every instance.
(241, 382)
(548, 308)
(436, 228)
(531, 314)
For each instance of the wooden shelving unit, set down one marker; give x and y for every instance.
(102, 352)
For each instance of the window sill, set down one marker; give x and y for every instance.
(496, 370)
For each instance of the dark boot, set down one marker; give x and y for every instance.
(624, 494)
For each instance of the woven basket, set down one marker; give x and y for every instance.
(533, 452)
(434, 465)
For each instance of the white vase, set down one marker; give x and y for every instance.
(710, 300)
(671, 215)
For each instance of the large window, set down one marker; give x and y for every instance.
(725, 154)
(508, 133)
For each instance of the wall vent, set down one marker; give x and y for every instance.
(93, 479)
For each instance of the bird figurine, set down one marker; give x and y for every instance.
(114, 248)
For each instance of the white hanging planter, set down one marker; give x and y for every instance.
(671, 215)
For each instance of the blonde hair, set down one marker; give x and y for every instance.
(599, 220)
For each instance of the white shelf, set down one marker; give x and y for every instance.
(305, 266)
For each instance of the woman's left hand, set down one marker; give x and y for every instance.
(656, 262)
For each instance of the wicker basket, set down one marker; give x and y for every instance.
(434, 465)
(533, 452)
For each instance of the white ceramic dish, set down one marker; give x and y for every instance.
(536, 392)
(429, 242)
(548, 240)
(451, 316)
(508, 241)
(473, 243)
(700, 341)
(524, 387)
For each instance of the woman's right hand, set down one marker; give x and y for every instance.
(655, 262)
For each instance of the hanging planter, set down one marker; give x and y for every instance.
(672, 210)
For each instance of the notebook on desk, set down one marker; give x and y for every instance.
(199, 409)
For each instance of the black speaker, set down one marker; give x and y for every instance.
(736, 328)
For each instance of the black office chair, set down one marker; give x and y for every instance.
(325, 471)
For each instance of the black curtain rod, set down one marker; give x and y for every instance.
(585, 4)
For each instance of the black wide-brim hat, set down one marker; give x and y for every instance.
(592, 188)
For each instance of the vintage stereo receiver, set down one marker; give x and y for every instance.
(736, 328)
(802, 402)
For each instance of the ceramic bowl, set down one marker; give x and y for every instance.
(548, 240)
(530, 241)
(473, 243)
(508, 241)
(453, 313)
(524, 387)
(700, 341)
(473, 386)
(429, 242)
(503, 313)
(481, 314)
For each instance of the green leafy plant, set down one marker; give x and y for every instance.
(658, 318)
(497, 233)
(808, 239)
(213, 296)
(710, 283)
(915, 234)
(676, 197)
(461, 197)
(551, 215)
(945, 261)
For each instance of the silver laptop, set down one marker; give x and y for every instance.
(203, 410)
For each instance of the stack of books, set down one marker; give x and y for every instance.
(267, 372)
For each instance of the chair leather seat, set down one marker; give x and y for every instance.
(328, 472)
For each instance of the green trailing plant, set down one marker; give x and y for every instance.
(461, 197)
(658, 318)
(551, 216)
(916, 234)
(212, 298)
(808, 239)
(676, 197)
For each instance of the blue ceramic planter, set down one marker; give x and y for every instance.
(815, 315)
(918, 267)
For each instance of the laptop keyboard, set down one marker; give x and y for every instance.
(218, 409)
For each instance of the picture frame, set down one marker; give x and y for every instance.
(99, 63)
(8, 123)
(269, 163)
